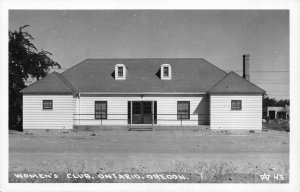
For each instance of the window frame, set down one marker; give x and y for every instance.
(120, 70)
(45, 104)
(180, 116)
(235, 106)
(167, 71)
(102, 116)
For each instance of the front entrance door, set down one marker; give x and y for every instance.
(272, 114)
(141, 112)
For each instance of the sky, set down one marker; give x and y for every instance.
(219, 36)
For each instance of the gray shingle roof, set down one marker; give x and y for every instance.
(188, 76)
(233, 83)
(52, 83)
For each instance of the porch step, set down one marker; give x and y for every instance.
(141, 129)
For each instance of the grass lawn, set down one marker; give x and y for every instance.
(157, 156)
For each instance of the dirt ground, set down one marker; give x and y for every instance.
(150, 152)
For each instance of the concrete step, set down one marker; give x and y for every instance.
(141, 129)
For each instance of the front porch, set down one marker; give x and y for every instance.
(139, 127)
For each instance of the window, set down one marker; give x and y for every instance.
(47, 104)
(120, 71)
(183, 110)
(166, 71)
(100, 109)
(236, 104)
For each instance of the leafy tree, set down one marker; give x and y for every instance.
(25, 61)
(268, 101)
(273, 102)
(283, 102)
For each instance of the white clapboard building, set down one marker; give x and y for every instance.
(153, 92)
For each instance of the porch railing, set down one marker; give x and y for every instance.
(154, 118)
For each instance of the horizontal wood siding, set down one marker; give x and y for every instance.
(165, 105)
(222, 117)
(60, 117)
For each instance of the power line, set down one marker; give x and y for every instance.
(260, 71)
(273, 83)
(268, 71)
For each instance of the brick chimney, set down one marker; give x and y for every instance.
(246, 67)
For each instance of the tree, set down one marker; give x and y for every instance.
(283, 102)
(268, 102)
(25, 61)
(271, 102)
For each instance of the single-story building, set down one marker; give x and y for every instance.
(156, 92)
(278, 112)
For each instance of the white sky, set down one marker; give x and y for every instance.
(219, 36)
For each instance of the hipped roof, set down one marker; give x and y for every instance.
(143, 76)
(233, 83)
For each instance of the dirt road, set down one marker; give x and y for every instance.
(108, 151)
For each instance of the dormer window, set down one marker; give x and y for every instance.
(120, 72)
(165, 71)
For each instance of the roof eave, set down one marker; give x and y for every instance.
(236, 93)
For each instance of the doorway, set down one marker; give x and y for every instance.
(141, 112)
(272, 114)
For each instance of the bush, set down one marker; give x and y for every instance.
(279, 125)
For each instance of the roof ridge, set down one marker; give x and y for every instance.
(218, 82)
(146, 58)
(75, 66)
(241, 78)
(42, 79)
(214, 66)
(248, 81)
(70, 85)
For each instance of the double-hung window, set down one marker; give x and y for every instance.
(47, 104)
(120, 72)
(183, 110)
(100, 109)
(236, 104)
(166, 71)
